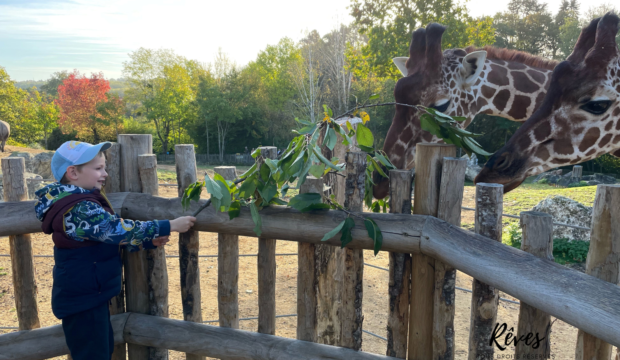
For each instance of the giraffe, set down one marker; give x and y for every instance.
(579, 119)
(458, 82)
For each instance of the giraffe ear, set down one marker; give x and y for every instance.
(472, 66)
(401, 64)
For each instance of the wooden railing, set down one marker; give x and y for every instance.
(425, 251)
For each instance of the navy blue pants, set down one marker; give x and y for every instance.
(89, 334)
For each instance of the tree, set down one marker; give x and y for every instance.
(308, 75)
(525, 26)
(78, 99)
(390, 23)
(51, 85)
(163, 88)
(47, 114)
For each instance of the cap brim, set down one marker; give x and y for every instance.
(91, 152)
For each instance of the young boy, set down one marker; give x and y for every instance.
(87, 238)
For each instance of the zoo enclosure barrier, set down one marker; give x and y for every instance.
(212, 159)
(424, 250)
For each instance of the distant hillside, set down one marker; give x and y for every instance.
(117, 86)
(28, 84)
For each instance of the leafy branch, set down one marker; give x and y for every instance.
(267, 182)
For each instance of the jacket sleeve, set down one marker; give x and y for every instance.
(87, 220)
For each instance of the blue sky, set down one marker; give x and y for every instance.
(40, 37)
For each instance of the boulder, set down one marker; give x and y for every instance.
(33, 186)
(605, 179)
(37, 164)
(567, 211)
(472, 167)
(567, 179)
(552, 176)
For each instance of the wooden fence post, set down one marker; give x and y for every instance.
(353, 289)
(603, 260)
(157, 271)
(577, 172)
(306, 277)
(112, 185)
(113, 168)
(429, 159)
(189, 243)
(22, 261)
(267, 271)
(228, 268)
(484, 298)
(136, 266)
(400, 270)
(449, 209)
(537, 240)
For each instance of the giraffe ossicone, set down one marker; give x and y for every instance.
(458, 82)
(579, 118)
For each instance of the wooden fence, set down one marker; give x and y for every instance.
(425, 250)
(211, 159)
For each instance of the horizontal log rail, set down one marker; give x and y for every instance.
(183, 336)
(563, 293)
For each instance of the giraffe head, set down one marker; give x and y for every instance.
(579, 118)
(432, 79)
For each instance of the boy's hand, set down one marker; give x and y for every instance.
(182, 224)
(160, 241)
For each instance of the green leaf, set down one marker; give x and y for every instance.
(333, 233)
(428, 124)
(475, 148)
(249, 172)
(328, 110)
(374, 233)
(303, 122)
(302, 201)
(284, 189)
(323, 159)
(234, 210)
(278, 201)
(268, 191)
(248, 187)
(346, 237)
(213, 188)
(317, 170)
(225, 200)
(364, 136)
(306, 130)
(384, 161)
(265, 171)
(256, 218)
(373, 97)
(297, 165)
(376, 166)
(273, 165)
(219, 177)
(330, 138)
(256, 153)
(320, 206)
(366, 149)
(459, 118)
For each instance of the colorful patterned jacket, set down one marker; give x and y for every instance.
(87, 220)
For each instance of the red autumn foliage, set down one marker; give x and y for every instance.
(78, 98)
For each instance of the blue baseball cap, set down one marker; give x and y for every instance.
(73, 153)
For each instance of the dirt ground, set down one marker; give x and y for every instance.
(563, 336)
(8, 149)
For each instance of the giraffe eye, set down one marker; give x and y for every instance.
(443, 107)
(596, 107)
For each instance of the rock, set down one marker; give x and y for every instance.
(605, 179)
(37, 164)
(472, 167)
(593, 182)
(33, 186)
(567, 179)
(552, 176)
(567, 211)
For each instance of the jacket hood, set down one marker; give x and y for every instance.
(53, 192)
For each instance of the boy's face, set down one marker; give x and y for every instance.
(92, 174)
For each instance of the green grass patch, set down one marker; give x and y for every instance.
(564, 251)
(169, 176)
(526, 196)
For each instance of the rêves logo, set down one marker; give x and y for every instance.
(530, 339)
